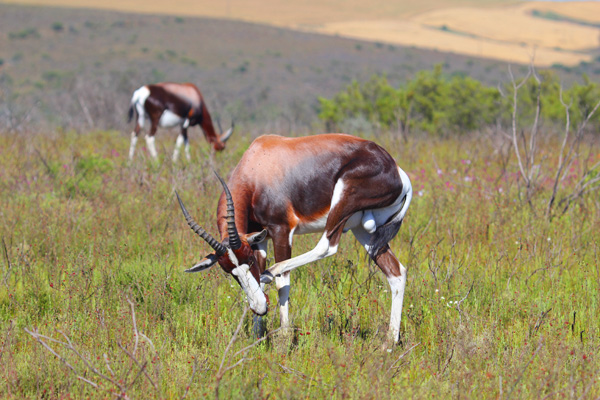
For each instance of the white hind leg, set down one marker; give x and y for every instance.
(396, 276)
(178, 145)
(132, 145)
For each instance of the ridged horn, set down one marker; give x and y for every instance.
(234, 237)
(212, 242)
(225, 136)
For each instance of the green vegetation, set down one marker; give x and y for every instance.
(435, 103)
(24, 34)
(58, 27)
(553, 16)
(499, 302)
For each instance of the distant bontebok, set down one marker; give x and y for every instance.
(283, 187)
(167, 105)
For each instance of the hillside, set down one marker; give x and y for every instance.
(550, 32)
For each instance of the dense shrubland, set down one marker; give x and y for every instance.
(454, 105)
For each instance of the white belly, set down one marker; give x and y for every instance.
(169, 119)
(317, 225)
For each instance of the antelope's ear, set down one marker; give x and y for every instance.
(256, 237)
(208, 262)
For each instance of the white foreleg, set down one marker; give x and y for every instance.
(322, 250)
(187, 150)
(151, 147)
(283, 290)
(178, 144)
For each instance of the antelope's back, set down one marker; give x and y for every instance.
(279, 174)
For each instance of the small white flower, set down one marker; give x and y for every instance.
(412, 306)
(468, 179)
(439, 171)
(517, 242)
(436, 290)
(443, 298)
(420, 193)
(500, 190)
(549, 239)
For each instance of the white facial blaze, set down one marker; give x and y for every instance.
(256, 297)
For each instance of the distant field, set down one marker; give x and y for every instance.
(498, 29)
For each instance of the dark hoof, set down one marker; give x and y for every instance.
(266, 277)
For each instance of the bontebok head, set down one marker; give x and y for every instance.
(235, 254)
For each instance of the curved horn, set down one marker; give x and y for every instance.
(225, 136)
(212, 242)
(234, 237)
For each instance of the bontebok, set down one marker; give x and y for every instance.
(283, 187)
(168, 105)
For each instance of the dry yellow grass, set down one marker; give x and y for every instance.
(274, 12)
(497, 29)
(410, 33)
(513, 25)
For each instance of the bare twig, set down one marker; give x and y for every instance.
(7, 338)
(525, 368)
(222, 372)
(137, 362)
(8, 263)
(585, 184)
(458, 303)
(135, 330)
(187, 388)
(257, 342)
(39, 337)
(402, 356)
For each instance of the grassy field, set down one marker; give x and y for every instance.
(500, 302)
(504, 30)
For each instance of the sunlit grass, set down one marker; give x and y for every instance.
(500, 302)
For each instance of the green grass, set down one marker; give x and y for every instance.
(553, 16)
(500, 303)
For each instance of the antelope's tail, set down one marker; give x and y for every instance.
(385, 233)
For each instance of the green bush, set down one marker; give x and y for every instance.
(435, 103)
(24, 34)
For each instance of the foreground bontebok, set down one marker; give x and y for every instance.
(168, 105)
(328, 183)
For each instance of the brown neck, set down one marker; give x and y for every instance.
(209, 129)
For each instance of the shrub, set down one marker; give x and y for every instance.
(436, 103)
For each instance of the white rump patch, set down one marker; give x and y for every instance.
(138, 100)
